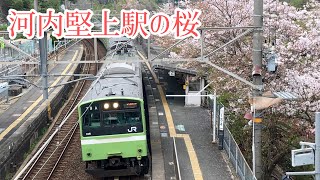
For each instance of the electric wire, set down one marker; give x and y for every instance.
(36, 156)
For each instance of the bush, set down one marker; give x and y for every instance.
(297, 3)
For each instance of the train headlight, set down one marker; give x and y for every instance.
(106, 106)
(115, 105)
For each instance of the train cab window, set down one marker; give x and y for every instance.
(133, 117)
(121, 118)
(91, 118)
(113, 118)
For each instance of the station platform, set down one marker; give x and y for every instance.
(191, 126)
(16, 113)
(198, 157)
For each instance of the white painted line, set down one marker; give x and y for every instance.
(113, 140)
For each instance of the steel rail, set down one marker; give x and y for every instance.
(35, 162)
(64, 149)
(63, 122)
(75, 127)
(37, 156)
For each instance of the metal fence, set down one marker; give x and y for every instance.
(236, 157)
(228, 143)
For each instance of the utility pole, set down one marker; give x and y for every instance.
(257, 80)
(149, 54)
(43, 47)
(65, 4)
(95, 52)
(202, 43)
(35, 5)
(43, 64)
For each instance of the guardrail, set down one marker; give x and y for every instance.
(176, 160)
(236, 157)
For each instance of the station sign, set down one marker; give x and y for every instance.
(221, 122)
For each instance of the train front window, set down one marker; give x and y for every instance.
(91, 116)
(92, 119)
(111, 117)
(121, 118)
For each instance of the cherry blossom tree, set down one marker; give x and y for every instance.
(294, 34)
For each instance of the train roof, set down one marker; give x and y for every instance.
(120, 79)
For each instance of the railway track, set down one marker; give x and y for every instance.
(61, 159)
(72, 167)
(51, 158)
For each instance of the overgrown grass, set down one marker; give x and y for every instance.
(3, 27)
(35, 142)
(225, 97)
(25, 155)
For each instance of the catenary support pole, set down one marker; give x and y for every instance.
(35, 5)
(257, 80)
(202, 43)
(214, 117)
(43, 64)
(95, 53)
(317, 142)
(149, 54)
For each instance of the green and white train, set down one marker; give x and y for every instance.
(113, 123)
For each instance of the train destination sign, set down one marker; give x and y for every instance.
(77, 24)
